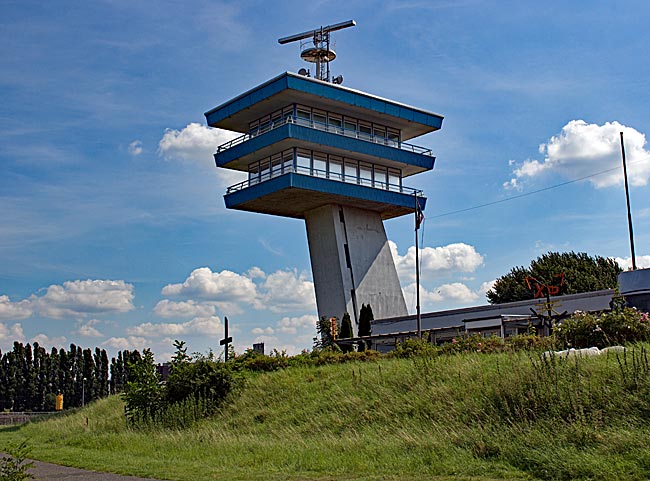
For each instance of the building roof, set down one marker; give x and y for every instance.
(288, 88)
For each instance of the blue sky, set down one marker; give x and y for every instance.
(114, 231)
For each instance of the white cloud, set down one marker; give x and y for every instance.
(642, 262)
(198, 143)
(122, 343)
(258, 331)
(88, 329)
(204, 326)
(287, 291)
(135, 148)
(281, 291)
(454, 293)
(80, 298)
(291, 325)
(582, 149)
(14, 310)
(49, 342)
(255, 272)
(10, 334)
(486, 286)
(171, 309)
(458, 257)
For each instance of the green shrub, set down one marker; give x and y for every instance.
(585, 329)
(414, 347)
(14, 466)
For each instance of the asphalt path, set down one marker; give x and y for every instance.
(49, 471)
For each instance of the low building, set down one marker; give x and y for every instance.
(503, 320)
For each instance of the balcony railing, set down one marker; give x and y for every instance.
(353, 133)
(347, 179)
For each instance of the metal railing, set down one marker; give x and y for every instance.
(353, 133)
(322, 174)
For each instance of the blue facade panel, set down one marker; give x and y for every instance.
(321, 137)
(335, 189)
(326, 91)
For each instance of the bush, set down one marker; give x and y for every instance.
(585, 329)
(14, 466)
(204, 378)
(415, 347)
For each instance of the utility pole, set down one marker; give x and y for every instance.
(418, 220)
(629, 211)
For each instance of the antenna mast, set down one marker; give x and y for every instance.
(320, 53)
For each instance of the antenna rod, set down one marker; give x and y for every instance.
(311, 33)
(629, 211)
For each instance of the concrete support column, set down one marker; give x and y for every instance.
(352, 263)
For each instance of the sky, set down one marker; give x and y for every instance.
(114, 232)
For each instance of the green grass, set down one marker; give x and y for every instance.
(470, 416)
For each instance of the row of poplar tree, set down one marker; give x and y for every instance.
(31, 377)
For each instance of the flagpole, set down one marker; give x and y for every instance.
(417, 266)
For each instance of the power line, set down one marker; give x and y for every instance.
(532, 192)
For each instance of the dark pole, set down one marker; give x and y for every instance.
(417, 267)
(629, 211)
(226, 340)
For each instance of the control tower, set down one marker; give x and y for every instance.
(337, 158)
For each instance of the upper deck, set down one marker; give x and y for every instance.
(238, 113)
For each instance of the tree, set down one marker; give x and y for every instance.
(346, 332)
(324, 336)
(365, 328)
(582, 273)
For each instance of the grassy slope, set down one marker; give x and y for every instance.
(472, 416)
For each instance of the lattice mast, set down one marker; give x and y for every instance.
(318, 50)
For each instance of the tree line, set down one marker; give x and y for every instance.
(31, 377)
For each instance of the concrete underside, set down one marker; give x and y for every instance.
(352, 263)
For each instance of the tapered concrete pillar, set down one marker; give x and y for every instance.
(352, 263)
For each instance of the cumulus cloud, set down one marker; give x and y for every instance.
(14, 310)
(582, 149)
(135, 148)
(198, 143)
(458, 257)
(88, 329)
(170, 309)
(258, 331)
(9, 334)
(454, 293)
(122, 343)
(281, 291)
(204, 326)
(642, 262)
(486, 286)
(291, 325)
(80, 298)
(49, 342)
(287, 291)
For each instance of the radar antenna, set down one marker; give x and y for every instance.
(320, 53)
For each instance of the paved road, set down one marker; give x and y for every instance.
(49, 471)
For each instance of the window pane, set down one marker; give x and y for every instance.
(303, 162)
(380, 177)
(365, 174)
(265, 171)
(351, 171)
(365, 132)
(394, 180)
(320, 165)
(336, 168)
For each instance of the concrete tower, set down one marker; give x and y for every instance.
(335, 157)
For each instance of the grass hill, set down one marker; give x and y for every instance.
(468, 416)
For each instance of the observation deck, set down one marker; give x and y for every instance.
(293, 190)
(292, 131)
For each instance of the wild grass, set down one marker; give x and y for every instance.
(466, 416)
